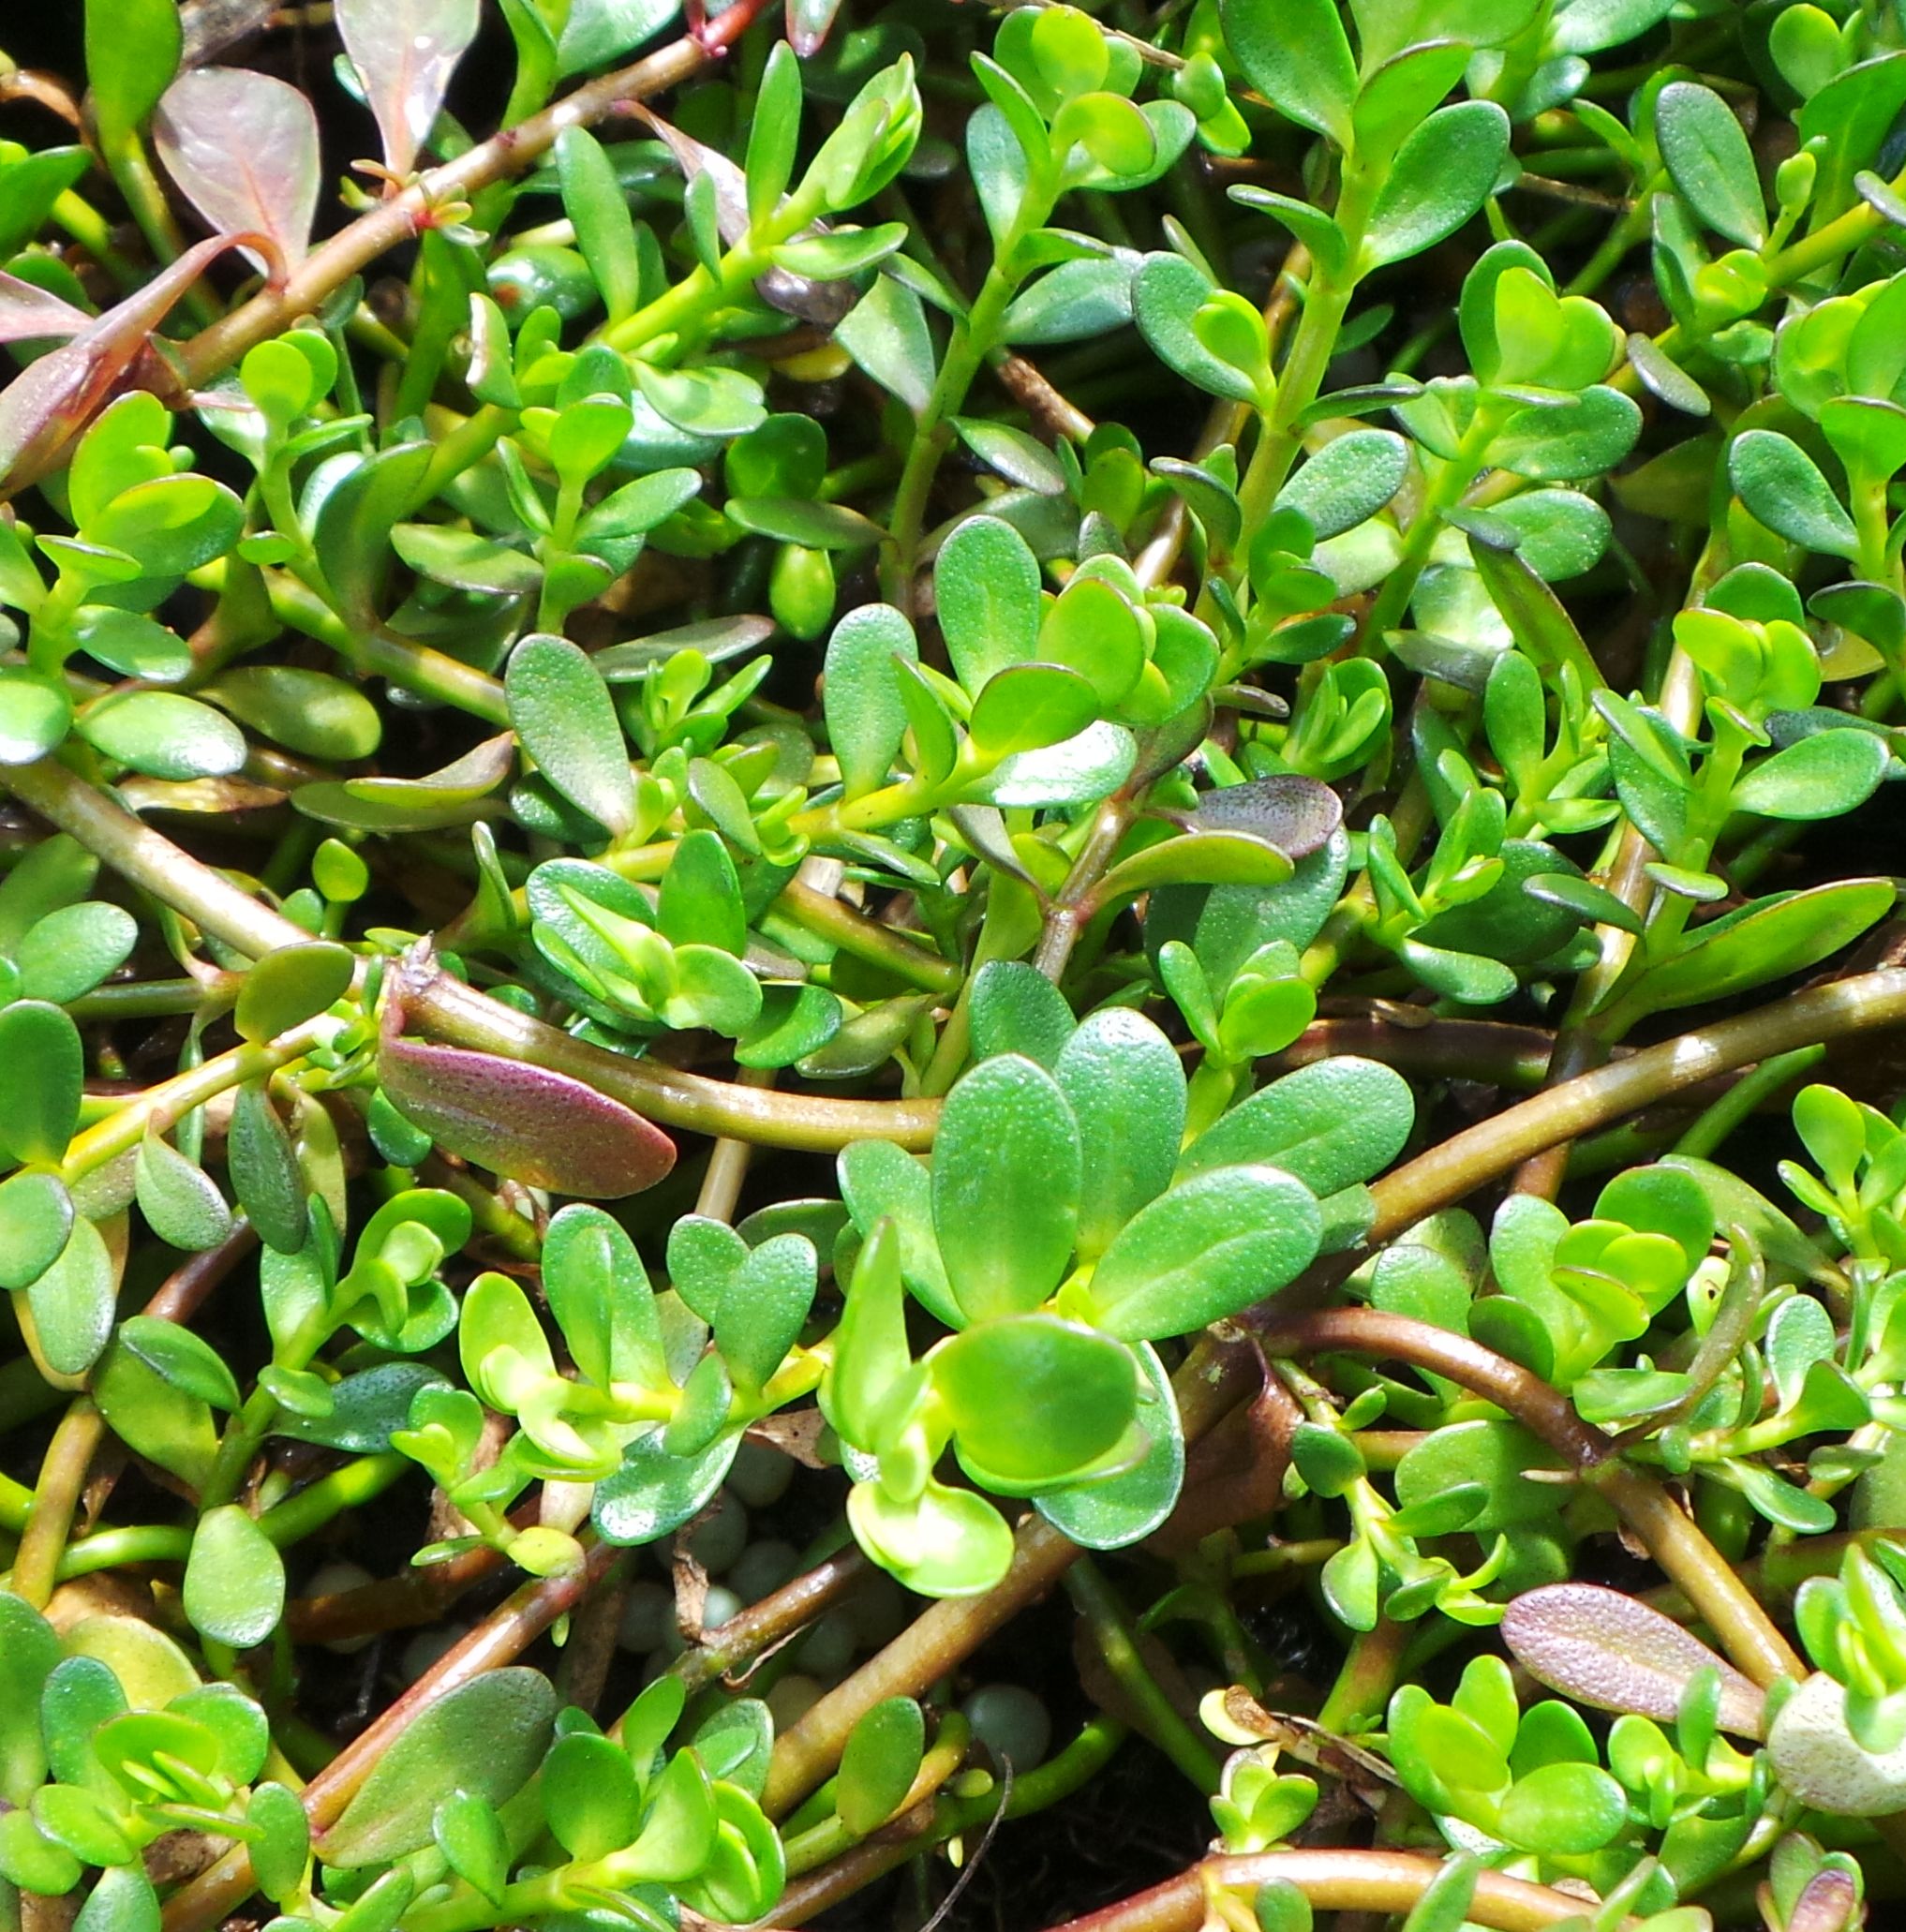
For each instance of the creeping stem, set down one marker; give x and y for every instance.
(449, 1011)
(1334, 1880)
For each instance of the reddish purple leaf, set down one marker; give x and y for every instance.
(28, 313)
(825, 302)
(52, 399)
(1603, 1648)
(808, 22)
(538, 1127)
(242, 148)
(404, 53)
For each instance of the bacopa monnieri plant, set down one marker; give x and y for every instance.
(947, 965)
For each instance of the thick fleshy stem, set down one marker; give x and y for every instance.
(1109, 1630)
(1334, 1880)
(1592, 1100)
(946, 1631)
(62, 1476)
(906, 1837)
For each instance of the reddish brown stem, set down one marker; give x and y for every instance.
(1732, 1611)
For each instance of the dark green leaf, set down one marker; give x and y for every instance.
(1296, 57)
(1016, 1009)
(35, 714)
(291, 986)
(866, 709)
(1110, 1512)
(73, 1302)
(1785, 933)
(306, 711)
(1443, 174)
(35, 1217)
(263, 1165)
(986, 582)
(879, 1764)
(1349, 479)
(182, 1359)
(1027, 707)
(589, 1795)
(1330, 1125)
(567, 722)
(1707, 156)
(70, 951)
(1819, 777)
(486, 1736)
(163, 736)
(1781, 485)
(39, 1047)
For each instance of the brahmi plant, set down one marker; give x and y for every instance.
(938, 911)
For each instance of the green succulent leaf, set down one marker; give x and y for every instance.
(1205, 1250)
(484, 1737)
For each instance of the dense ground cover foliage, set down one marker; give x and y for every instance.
(835, 841)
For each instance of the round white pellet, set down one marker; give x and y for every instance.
(828, 1649)
(1819, 1761)
(792, 1699)
(760, 1475)
(722, 1604)
(425, 1647)
(1010, 1722)
(334, 1579)
(762, 1568)
(879, 1609)
(719, 1536)
(647, 1616)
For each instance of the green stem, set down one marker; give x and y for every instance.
(160, 1106)
(1722, 1117)
(1034, 1790)
(359, 1482)
(1111, 1632)
(1361, 1694)
(114, 1548)
(137, 999)
(965, 352)
(861, 938)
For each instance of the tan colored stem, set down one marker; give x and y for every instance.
(393, 223)
(1592, 1100)
(947, 1630)
(62, 1477)
(1332, 1880)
